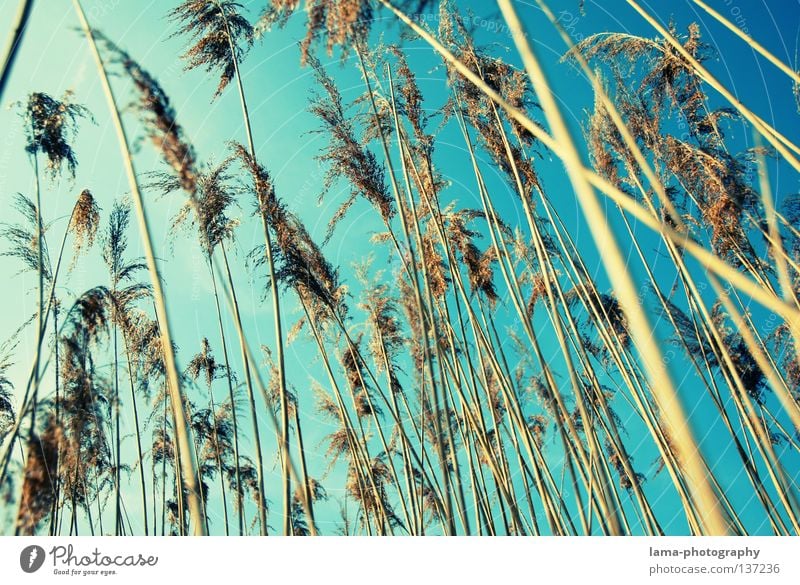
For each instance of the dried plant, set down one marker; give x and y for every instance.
(38, 488)
(479, 110)
(209, 207)
(300, 264)
(222, 36)
(348, 158)
(85, 466)
(50, 125)
(23, 238)
(299, 521)
(341, 23)
(84, 223)
(474, 371)
(478, 264)
(159, 117)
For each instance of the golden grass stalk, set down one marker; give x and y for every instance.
(14, 42)
(751, 42)
(642, 332)
(707, 259)
(189, 466)
(781, 143)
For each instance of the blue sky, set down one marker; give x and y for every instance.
(54, 59)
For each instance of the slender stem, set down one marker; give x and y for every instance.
(234, 417)
(40, 308)
(117, 437)
(14, 42)
(279, 349)
(262, 506)
(218, 456)
(137, 425)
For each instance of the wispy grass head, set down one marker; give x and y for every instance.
(39, 484)
(221, 36)
(85, 408)
(22, 238)
(301, 264)
(115, 241)
(299, 519)
(343, 23)
(209, 208)
(159, 117)
(84, 223)
(50, 124)
(347, 156)
(340, 22)
(670, 80)
(477, 263)
(205, 364)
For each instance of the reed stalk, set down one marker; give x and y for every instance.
(190, 476)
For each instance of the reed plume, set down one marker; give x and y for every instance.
(38, 488)
(347, 157)
(221, 36)
(158, 115)
(50, 126)
(468, 368)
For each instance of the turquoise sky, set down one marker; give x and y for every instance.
(54, 58)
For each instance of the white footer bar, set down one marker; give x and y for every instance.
(386, 561)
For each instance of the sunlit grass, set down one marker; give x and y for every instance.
(485, 380)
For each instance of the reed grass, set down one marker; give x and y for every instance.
(474, 372)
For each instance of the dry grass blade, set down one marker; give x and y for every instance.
(750, 41)
(478, 366)
(779, 142)
(660, 379)
(14, 41)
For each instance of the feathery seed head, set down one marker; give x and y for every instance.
(50, 125)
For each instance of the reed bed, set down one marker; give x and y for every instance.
(479, 370)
